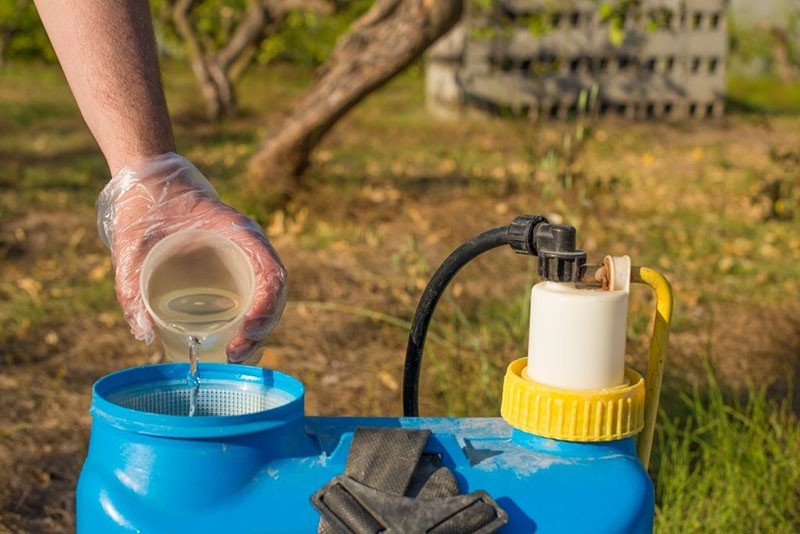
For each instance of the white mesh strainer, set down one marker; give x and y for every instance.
(215, 398)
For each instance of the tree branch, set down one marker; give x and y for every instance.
(247, 32)
(391, 35)
(183, 24)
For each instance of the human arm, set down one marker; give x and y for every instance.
(107, 51)
(108, 54)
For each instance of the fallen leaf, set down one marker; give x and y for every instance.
(76, 237)
(388, 381)
(100, 271)
(51, 338)
(107, 319)
(32, 287)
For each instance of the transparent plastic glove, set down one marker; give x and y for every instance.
(161, 195)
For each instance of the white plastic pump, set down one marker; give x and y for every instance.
(577, 335)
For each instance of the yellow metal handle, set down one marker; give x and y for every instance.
(658, 355)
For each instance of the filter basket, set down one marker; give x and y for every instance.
(214, 398)
(155, 399)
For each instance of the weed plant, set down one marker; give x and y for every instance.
(728, 465)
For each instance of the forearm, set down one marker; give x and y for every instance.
(108, 53)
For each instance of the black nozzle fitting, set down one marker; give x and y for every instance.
(559, 260)
(554, 244)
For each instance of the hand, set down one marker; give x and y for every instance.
(161, 195)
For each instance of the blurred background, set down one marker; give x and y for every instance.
(668, 131)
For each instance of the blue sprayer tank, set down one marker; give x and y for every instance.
(151, 472)
(568, 454)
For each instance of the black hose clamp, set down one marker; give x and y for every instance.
(521, 233)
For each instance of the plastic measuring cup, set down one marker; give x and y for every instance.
(197, 283)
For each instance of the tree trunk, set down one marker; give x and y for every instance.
(781, 54)
(385, 40)
(216, 70)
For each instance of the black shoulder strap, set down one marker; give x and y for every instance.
(389, 486)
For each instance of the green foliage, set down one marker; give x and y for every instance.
(216, 20)
(482, 6)
(308, 38)
(752, 46)
(617, 12)
(489, 21)
(22, 32)
(554, 167)
(747, 43)
(543, 19)
(614, 14)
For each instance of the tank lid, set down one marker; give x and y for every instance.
(572, 415)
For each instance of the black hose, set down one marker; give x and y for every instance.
(430, 297)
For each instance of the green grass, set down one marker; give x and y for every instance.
(765, 95)
(728, 465)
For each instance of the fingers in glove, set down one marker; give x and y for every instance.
(136, 315)
(263, 314)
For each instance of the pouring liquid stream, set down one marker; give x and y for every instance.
(197, 312)
(193, 378)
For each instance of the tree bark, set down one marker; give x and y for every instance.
(385, 40)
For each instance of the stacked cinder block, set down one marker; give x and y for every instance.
(673, 71)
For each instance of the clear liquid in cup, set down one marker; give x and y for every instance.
(196, 282)
(198, 311)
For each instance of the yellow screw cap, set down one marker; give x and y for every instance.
(572, 415)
